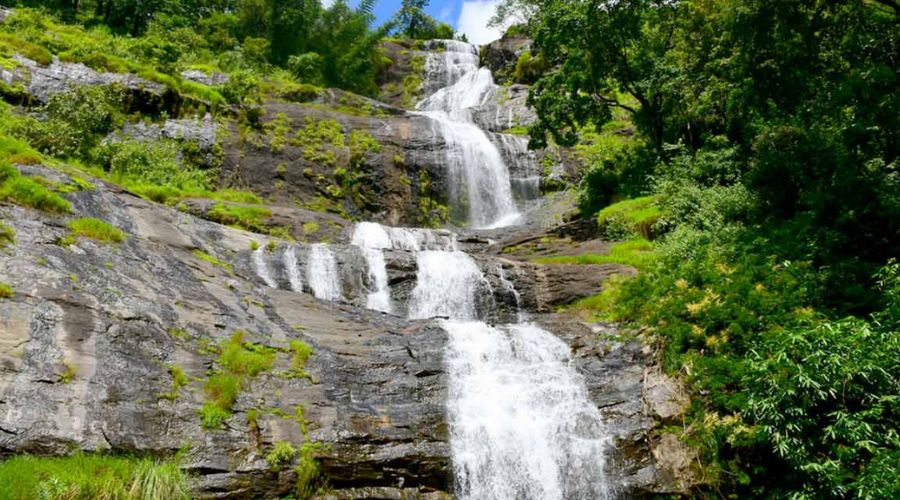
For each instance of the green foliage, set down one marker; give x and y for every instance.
(6, 291)
(239, 362)
(138, 163)
(179, 380)
(82, 476)
(95, 229)
(629, 218)
(309, 473)
(529, 68)
(251, 218)
(300, 353)
(412, 22)
(7, 235)
(245, 359)
(282, 455)
(76, 120)
(27, 191)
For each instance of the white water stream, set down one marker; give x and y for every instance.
(476, 172)
(522, 425)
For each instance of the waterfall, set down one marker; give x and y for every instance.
(446, 285)
(262, 267)
(473, 162)
(322, 273)
(289, 258)
(521, 423)
(372, 238)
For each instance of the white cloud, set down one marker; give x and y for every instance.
(327, 3)
(473, 21)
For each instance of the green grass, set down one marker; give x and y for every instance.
(630, 217)
(239, 361)
(96, 229)
(517, 130)
(6, 291)
(94, 476)
(179, 380)
(200, 254)
(250, 218)
(300, 353)
(29, 192)
(638, 253)
(243, 358)
(7, 235)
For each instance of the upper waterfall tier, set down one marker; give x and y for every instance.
(477, 172)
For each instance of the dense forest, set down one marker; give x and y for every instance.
(744, 154)
(764, 166)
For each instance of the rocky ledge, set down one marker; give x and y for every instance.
(95, 334)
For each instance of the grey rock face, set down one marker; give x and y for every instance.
(87, 341)
(202, 130)
(500, 56)
(44, 81)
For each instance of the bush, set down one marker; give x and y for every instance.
(6, 291)
(239, 362)
(96, 229)
(150, 162)
(281, 455)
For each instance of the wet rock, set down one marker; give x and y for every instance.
(92, 329)
(500, 56)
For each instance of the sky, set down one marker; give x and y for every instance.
(466, 16)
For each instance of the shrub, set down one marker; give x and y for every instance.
(239, 362)
(96, 229)
(281, 455)
(6, 291)
(149, 162)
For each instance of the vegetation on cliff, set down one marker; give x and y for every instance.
(764, 165)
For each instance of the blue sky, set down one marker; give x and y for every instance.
(467, 16)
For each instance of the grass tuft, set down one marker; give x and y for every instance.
(6, 291)
(96, 229)
(638, 253)
(83, 476)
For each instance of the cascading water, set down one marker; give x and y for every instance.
(473, 162)
(289, 259)
(522, 425)
(262, 268)
(446, 285)
(322, 273)
(372, 239)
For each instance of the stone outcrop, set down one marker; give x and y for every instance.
(500, 56)
(93, 330)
